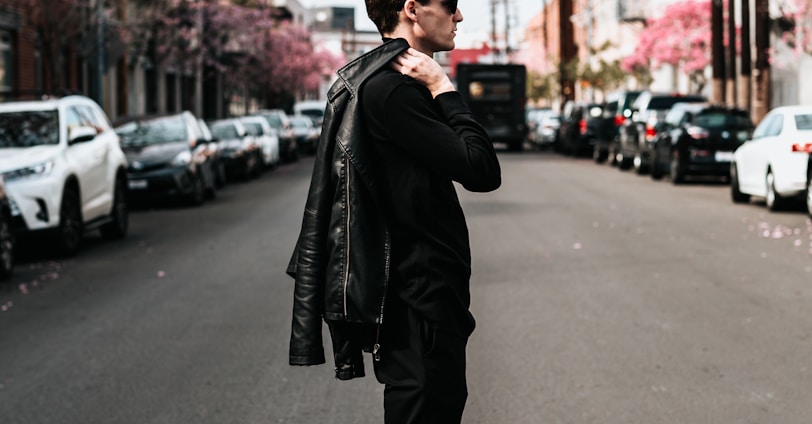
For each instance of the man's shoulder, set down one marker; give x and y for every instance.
(384, 82)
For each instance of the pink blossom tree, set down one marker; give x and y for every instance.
(249, 45)
(680, 38)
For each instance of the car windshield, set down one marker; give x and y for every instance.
(300, 122)
(721, 120)
(224, 131)
(273, 120)
(313, 113)
(253, 128)
(155, 131)
(663, 103)
(29, 128)
(803, 122)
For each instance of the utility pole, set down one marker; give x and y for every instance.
(745, 81)
(494, 48)
(761, 104)
(731, 52)
(717, 51)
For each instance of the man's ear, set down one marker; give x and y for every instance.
(410, 8)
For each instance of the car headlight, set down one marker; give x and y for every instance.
(38, 170)
(182, 159)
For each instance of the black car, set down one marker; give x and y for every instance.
(168, 158)
(239, 149)
(617, 108)
(582, 124)
(637, 134)
(6, 235)
(698, 139)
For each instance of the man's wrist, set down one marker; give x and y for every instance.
(444, 87)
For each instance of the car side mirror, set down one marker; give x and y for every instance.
(81, 134)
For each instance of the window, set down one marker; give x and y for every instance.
(6, 62)
(803, 122)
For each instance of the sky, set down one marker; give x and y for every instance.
(476, 25)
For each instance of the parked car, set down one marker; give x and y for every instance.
(314, 109)
(278, 120)
(617, 107)
(241, 153)
(637, 134)
(169, 159)
(774, 163)
(307, 135)
(581, 125)
(266, 138)
(64, 171)
(543, 127)
(698, 139)
(7, 245)
(533, 116)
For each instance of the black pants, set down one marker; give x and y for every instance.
(423, 370)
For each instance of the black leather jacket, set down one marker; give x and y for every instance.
(341, 259)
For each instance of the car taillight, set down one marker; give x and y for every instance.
(697, 133)
(650, 133)
(802, 148)
(619, 120)
(582, 126)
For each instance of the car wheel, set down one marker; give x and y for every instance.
(624, 162)
(774, 200)
(809, 194)
(656, 170)
(677, 170)
(70, 230)
(119, 215)
(220, 176)
(735, 192)
(639, 167)
(6, 248)
(198, 195)
(259, 164)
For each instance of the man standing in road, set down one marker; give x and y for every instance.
(383, 256)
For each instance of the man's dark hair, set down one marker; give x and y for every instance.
(384, 13)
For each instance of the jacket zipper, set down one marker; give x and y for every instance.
(347, 235)
(376, 348)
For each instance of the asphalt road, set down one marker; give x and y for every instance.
(601, 297)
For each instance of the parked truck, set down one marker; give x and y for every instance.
(497, 95)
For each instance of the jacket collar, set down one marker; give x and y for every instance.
(356, 72)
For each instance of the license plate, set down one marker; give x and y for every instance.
(137, 184)
(724, 156)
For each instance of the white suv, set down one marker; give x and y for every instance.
(65, 172)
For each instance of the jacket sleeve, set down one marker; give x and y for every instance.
(443, 135)
(309, 261)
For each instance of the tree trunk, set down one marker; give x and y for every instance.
(761, 103)
(717, 51)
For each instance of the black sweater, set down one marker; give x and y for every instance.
(422, 146)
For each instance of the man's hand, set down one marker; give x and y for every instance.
(424, 69)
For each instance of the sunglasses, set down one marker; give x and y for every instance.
(450, 6)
